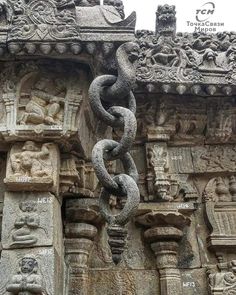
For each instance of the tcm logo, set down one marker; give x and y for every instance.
(205, 12)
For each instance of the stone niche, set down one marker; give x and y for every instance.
(41, 99)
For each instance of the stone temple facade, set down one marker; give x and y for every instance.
(117, 153)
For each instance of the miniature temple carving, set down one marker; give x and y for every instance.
(117, 153)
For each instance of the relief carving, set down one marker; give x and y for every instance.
(30, 220)
(35, 271)
(40, 100)
(198, 57)
(220, 213)
(27, 281)
(221, 126)
(214, 158)
(42, 106)
(222, 279)
(164, 185)
(77, 177)
(170, 120)
(30, 165)
(29, 162)
(25, 225)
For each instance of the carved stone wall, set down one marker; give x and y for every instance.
(53, 238)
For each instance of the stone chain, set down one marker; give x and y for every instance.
(123, 185)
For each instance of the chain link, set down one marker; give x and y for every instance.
(123, 185)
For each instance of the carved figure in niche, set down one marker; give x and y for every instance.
(27, 222)
(44, 108)
(31, 161)
(27, 281)
(165, 55)
(221, 189)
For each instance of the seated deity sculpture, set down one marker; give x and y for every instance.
(31, 161)
(27, 281)
(25, 224)
(43, 108)
(164, 55)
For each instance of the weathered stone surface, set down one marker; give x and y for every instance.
(112, 282)
(181, 240)
(43, 276)
(32, 167)
(194, 282)
(36, 221)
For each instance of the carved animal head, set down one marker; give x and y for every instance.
(132, 51)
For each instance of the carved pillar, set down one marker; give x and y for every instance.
(165, 230)
(80, 232)
(32, 228)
